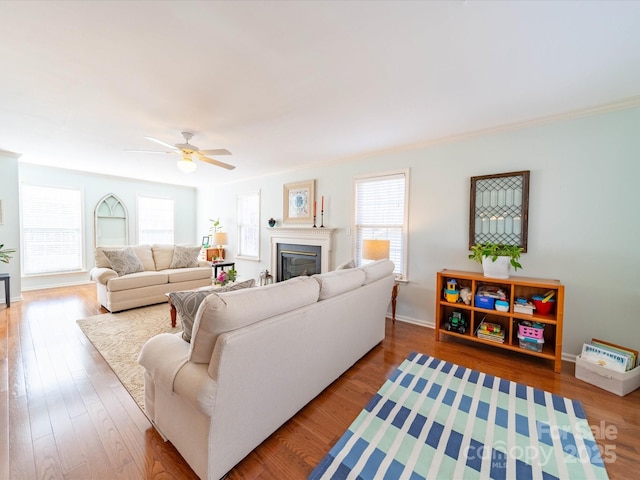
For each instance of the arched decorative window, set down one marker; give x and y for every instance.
(111, 224)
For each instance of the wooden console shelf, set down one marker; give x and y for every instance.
(513, 287)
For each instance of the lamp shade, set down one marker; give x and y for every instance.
(220, 238)
(375, 249)
(187, 166)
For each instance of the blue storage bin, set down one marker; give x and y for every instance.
(484, 302)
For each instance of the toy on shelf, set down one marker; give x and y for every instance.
(451, 293)
(490, 331)
(456, 323)
(521, 305)
(465, 295)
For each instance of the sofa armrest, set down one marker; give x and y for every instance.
(163, 356)
(102, 275)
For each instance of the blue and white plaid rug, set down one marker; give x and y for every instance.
(436, 420)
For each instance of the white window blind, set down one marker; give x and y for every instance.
(155, 220)
(249, 225)
(51, 230)
(381, 214)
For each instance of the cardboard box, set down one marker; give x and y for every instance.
(620, 383)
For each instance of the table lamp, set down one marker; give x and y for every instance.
(375, 249)
(220, 239)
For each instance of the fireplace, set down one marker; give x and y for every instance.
(298, 260)
(300, 237)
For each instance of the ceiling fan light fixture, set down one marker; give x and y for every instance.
(186, 165)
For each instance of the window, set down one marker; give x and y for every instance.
(249, 226)
(381, 214)
(51, 230)
(155, 220)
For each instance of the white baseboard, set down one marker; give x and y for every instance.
(66, 284)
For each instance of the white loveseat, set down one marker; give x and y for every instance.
(156, 278)
(256, 357)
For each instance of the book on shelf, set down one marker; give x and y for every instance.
(491, 338)
(606, 358)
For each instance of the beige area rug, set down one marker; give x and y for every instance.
(119, 337)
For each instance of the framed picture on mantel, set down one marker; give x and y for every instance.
(299, 200)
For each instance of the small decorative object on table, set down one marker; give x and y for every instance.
(265, 278)
(225, 277)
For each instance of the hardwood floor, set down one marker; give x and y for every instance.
(65, 415)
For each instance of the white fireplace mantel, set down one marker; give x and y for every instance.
(320, 237)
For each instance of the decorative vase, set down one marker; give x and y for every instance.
(272, 222)
(501, 268)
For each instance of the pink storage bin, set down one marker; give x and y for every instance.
(530, 332)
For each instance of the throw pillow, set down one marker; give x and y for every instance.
(187, 303)
(344, 266)
(124, 261)
(185, 257)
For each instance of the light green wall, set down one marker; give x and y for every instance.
(9, 231)
(94, 188)
(583, 219)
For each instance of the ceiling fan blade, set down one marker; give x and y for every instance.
(161, 143)
(215, 162)
(219, 151)
(149, 151)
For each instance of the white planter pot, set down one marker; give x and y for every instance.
(501, 268)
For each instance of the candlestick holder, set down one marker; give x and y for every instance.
(321, 219)
(314, 222)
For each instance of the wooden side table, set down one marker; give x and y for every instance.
(6, 278)
(394, 298)
(221, 265)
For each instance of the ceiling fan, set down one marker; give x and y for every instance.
(186, 150)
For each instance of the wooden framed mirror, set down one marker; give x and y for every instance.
(499, 210)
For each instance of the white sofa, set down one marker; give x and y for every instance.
(256, 357)
(148, 286)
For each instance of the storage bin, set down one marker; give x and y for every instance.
(543, 308)
(531, 343)
(484, 302)
(502, 306)
(531, 332)
(620, 383)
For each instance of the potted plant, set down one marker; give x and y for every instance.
(5, 254)
(496, 259)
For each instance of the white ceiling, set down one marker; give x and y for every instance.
(286, 85)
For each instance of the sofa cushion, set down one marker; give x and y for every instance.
(185, 257)
(188, 301)
(143, 252)
(339, 281)
(124, 261)
(136, 280)
(377, 270)
(179, 275)
(228, 311)
(162, 256)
